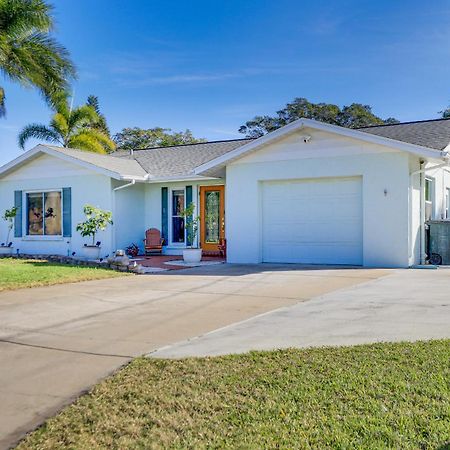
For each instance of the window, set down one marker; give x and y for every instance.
(43, 213)
(177, 216)
(429, 193)
(447, 204)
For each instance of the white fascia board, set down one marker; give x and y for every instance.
(180, 178)
(314, 124)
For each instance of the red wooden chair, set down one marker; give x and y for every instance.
(223, 247)
(153, 241)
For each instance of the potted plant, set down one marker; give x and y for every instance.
(96, 220)
(8, 216)
(191, 254)
(132, 250)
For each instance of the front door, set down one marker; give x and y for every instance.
(212, 217)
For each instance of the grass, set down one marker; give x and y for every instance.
(26, 273)
(367, 397)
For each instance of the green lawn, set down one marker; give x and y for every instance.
(26, 273)
(367, 397)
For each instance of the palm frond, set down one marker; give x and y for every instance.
(59, 125)
(2, 102)
(38, 60)
(38, 131)
(59, 102)
(84, 141)
(108, 144)
(17, 16)
(83, 115)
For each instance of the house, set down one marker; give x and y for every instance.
(309, 193)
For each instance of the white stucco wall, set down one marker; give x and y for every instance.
(129, 215)
(47, 173)
(385, 215)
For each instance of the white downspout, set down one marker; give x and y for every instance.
(422, 172)
(422, 216)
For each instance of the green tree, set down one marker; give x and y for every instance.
(75, 128)
(135, 138)
(445, 114)
(29, 54)
(353, 116)
(96, 220)
(101, 124)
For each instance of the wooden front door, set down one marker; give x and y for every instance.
(212, 217)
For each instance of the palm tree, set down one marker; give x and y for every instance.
(28, 53)
(74, 128)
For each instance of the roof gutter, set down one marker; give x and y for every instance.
(133, 182)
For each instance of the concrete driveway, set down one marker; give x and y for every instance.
(407, 305)
(56, 342)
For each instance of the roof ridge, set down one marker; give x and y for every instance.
(185, 145)
(88, 152)
(403, 123)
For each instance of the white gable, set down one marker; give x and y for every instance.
(320, 144)
(45, 166)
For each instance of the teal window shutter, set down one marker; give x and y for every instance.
(165, 215)
(188, 195)
(188, 202)
(67, 211)
(18, 218)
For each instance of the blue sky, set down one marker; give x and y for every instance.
(211, 65)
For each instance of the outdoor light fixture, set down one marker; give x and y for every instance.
(306, 139)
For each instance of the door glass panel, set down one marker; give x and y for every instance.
(34, 214)
(177, 218)
(212, 217)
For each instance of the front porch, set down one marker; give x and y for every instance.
(159, 206)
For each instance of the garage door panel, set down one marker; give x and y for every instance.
(313, 221)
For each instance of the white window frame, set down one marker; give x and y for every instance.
(447, 203)
(432, 195)
(171, 243)
(39, 237)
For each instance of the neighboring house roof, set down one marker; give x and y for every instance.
(427, 133)
(180, 160)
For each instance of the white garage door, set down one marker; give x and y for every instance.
(312, 221)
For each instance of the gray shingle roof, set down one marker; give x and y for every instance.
(179, 160)
(428, 133)
(121, 166)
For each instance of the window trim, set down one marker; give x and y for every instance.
(40, 237)
(171, 243)
(447, 203)
(431, 202)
